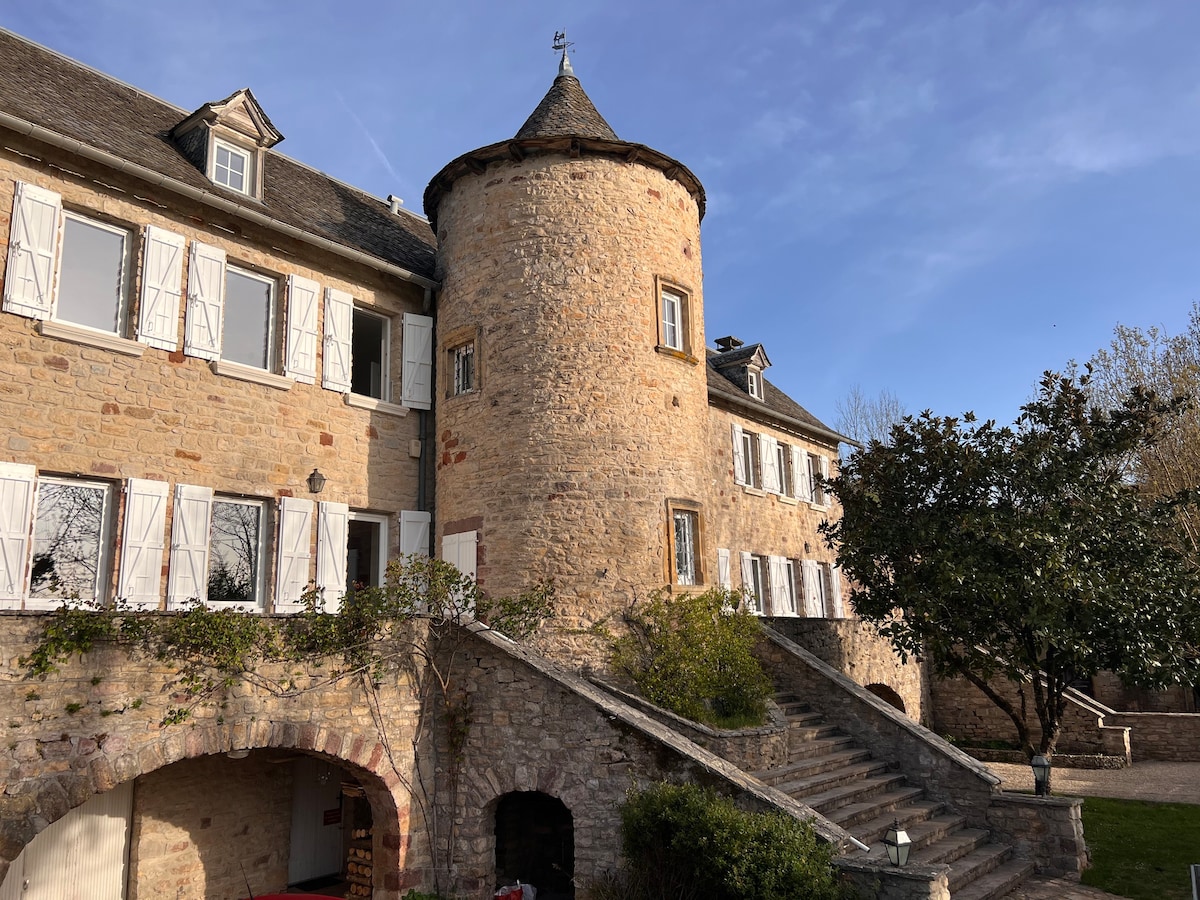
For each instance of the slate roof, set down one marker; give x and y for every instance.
(775, 402)
(75, 101)
(733, 357)
(566, 110)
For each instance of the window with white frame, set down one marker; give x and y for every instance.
(232, 166)
(747, 462)
(366, 550)
(369, 355)
(755, 584)
(672, 324)
(463, 362)
(685, 532)
(754, 383)
(235, 558)
(249, 319)
(818, 469)
(69, 553)
(93, 279)
(783, 464)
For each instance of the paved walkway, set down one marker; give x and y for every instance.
(1154, 781)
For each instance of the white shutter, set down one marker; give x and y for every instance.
(770, 463)
(803, 480)
(190, 523)
(339, 322)
(302, 329)
(295, 551)
(459, 549)
(414, 533)
(206, 292)
(748, 580)
(416, 388)
(16, 518)
(777, 567)
(824, 464)
(162, 286)
(724, 578)
(333, 532)
(33, 246)
(835, 593)
(812, 590)
(142, 543)
(739, 456)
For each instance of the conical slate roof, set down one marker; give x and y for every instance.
(566, 111)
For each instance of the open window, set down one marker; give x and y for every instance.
(685, 543)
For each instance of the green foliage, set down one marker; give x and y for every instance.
(684, 842)
(1141, 850)
(371, 633)
(694, 655)
(1001, 552)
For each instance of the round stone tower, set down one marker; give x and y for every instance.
(571, 398)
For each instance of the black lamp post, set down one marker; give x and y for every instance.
(1041, 775)
(898, 844)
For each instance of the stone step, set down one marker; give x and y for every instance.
(817, 782)
(923, 820)
(802, 719)
(819, 747)
(1000, 882)
(976, 864)
(812, 765)
(798, 735)
(863, 790)
(953, 847)
(853, 814)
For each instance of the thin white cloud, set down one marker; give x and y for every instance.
(374, 144)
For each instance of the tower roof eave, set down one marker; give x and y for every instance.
(516, 149)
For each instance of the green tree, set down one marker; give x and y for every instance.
(1002, 553)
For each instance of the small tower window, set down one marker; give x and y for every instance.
(464, 369)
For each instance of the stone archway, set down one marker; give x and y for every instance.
(212, 750)
(535, 843)
(885, 693)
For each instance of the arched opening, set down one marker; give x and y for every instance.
(886, 694)
(535, 844)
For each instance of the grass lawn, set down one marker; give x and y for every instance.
(1141, 850)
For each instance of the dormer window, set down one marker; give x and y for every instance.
(227, 141)
(232, 166)
(754, 383)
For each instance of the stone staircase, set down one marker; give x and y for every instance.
(830, 773)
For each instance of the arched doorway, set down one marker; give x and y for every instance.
(535, 844)
(885, 693)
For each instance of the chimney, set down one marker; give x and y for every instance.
(725, 344)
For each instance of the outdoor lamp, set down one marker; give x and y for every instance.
(1041, 775)
(898, 844)
(316, 481)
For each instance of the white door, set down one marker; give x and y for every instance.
(82, 856)
(316, 820)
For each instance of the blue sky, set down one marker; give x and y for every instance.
(939, 199)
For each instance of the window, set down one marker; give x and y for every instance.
(747, 460)
(672, 319)
(366, 550)
(464, 368)
(754, 383)
(369, 355)
(686, 526)
(93, 281)
(232, 167)
(783, 463)
(822, 590)
(791, 588)
(249, 327)
(818, 468)
(754, 581)
(235, 569)
(70, 537)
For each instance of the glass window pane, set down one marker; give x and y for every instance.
(364, 552)
(92, 277)
(368, 355)
(685, 548)
(248, 319)
(670, 313)
(230, 168)
(234, 552)
(67, 534)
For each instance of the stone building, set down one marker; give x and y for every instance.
(228, 377)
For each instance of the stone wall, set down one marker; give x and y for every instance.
(1173, 737)
(961, 711)
(76, 409)
(1108, 689)
(582, 428)
(855, 649)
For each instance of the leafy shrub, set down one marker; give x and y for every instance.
(684, 842)
(694, 655)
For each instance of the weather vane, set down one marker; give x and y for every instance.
(561, 42)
